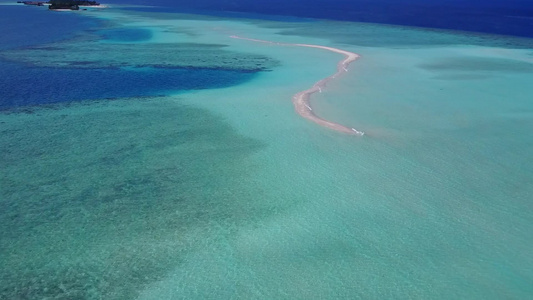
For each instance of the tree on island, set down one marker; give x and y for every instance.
(70, 4)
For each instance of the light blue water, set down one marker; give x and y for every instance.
(227, 193)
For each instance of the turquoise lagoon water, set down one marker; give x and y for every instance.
(217, 191)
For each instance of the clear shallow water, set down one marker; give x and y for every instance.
(100, 199)
(227, 193)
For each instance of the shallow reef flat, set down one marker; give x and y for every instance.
(160, 55)
(100, 198)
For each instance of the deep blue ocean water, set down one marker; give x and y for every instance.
(126, 34)
(512, 17)
(23, 84)
(22, 26)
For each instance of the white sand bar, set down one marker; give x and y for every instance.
(301, 99)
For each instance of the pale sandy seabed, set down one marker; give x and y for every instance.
(301, 99)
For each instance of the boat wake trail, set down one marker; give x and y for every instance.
(301, 99)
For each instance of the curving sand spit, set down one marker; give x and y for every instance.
(301, 99)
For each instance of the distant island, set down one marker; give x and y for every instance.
(62, 4)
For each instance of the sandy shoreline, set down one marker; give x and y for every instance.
(301, 99)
